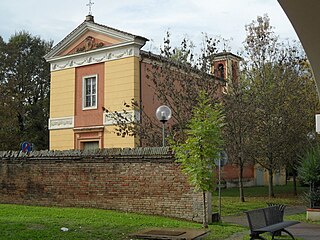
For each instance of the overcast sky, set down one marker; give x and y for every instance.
(53, 20)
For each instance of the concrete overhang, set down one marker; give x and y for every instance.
(305, 18)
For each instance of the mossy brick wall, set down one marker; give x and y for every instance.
(142, 180)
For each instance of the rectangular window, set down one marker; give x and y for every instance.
(91, 145)
(89, 94)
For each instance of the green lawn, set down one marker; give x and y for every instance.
(26, 222)
(301, 217)
(256, 197)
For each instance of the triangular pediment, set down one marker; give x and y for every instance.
(90, 36)
(90, 41)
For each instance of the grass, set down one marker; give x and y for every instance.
(301, 217)
(256, 197)
(28, 222)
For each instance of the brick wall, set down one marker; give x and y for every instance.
(143, 180)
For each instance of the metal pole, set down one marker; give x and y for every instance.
(219, 203)
(163, 135)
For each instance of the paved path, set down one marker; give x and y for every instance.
(306, 231)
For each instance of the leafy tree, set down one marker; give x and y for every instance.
(309, 170)
(237, 111)
(24, 85)
(309, 173)
(267, 143)
(202, 145)
(7, 126)
(300, 105)
(281, 115)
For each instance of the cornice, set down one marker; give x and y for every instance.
(99, 55)
(110, 32)
(86, 129)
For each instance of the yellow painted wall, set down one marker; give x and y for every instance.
(62, 93)
(122, 83)
(61, 139)
(279, 178)
(62, 97)
(111, 140)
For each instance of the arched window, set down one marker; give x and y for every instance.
(221, 71)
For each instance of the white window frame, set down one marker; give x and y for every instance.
(84, 92)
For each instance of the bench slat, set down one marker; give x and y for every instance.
(276, 227)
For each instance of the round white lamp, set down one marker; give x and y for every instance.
(163, 114)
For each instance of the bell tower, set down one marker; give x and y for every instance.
(226, 66)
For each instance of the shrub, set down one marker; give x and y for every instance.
(309, 173)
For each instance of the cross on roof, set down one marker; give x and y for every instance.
(90, 7)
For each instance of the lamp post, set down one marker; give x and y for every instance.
(163, 114)
(223, 159)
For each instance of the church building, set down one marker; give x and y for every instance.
(97, 67)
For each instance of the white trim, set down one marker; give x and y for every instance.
(110, 32)
(93, 57)
(131, 115)
(102, 49)
(95, 76)
(88, 128)
(61, 123)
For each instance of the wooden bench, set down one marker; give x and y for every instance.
(268, 219)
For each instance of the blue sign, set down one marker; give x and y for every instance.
(26, 147)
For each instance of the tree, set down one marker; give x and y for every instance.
(24, 85)
(203, 144)
(267, 143)
(301, 104)
(278, 86)
(309, 173)
(237, 112)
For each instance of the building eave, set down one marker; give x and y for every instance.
(223, 54)
(156, 57)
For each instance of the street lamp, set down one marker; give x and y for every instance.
(223, 159)
(163, 114)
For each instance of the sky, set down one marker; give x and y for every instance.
(223, 19)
